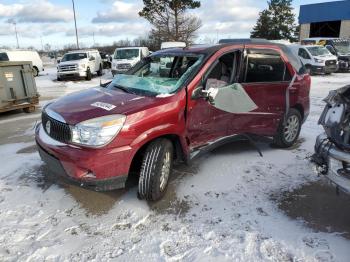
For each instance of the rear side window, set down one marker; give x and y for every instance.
(4, 57)
(265, 66)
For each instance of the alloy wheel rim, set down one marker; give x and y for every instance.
(165, 171)
(291, 129)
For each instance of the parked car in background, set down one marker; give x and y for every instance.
(332, 148)
(337, 46)
(80, 64)
(125, 58)
(23, 55)
(143, 121)
(317, 59)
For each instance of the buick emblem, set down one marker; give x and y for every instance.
(48, 127)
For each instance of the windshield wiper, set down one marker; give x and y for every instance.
(125, 89)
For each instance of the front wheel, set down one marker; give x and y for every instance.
(88, 74)
(35, 71)
(156, 169)
(99, 72)
(289, 130)
(308, 69)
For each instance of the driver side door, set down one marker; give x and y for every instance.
(206, 123)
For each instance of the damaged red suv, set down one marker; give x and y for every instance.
(174, 105)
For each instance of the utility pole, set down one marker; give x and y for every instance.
(75, 22)
(14, 22)
(41, 40)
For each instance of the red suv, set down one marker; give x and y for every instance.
(174, 105)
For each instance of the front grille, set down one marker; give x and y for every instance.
(64, 68)
(123, 66)
(58, 130)
(331, 62)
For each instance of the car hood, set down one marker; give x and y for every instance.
(73, 62)
(97, 102)
(326, 57)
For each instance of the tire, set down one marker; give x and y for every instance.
(88, 74)
(58, 78)
(286, 138)
(35, 71)
(309, 69)
(156, 169)
(99, 72)
(30, 109)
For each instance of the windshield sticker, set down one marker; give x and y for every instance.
(104, 106)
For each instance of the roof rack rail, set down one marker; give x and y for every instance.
(243, 40)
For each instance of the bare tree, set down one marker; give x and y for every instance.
(170, 20)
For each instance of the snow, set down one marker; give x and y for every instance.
(220, 208)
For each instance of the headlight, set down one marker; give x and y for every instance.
(97, 131)
(82, 65)
(319, 60)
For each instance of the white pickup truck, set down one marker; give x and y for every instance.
(80, 64)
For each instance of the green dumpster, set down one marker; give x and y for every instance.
(17, 87)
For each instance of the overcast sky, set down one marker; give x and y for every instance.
(51, 21)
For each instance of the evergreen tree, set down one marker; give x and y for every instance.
(276, 22)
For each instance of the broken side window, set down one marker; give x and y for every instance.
(224, 71)
(265, 66)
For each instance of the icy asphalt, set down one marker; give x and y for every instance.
(230, 205)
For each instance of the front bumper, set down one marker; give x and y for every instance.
(324, 69)
(343, 65)
(98, 169)
(331, 158)
(119, 71)
(71, 74)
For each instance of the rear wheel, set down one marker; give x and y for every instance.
(289, 130)
(156, 169)
(88, 74)
(99, 72)
(308, 69)
(35, 71)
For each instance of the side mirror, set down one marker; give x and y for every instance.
(198, 93)
(92, 58)
(104, 85)
(58, 61)
(331, 49)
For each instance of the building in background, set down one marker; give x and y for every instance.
(330, 19)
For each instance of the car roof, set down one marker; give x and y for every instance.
(210, 49)
(83, 51)
(319, 38)
(307, 46)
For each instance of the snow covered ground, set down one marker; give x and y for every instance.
(224, 207)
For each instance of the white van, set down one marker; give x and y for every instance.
(23, 55)
(126, 57)
(317, 59)
(80, 64)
